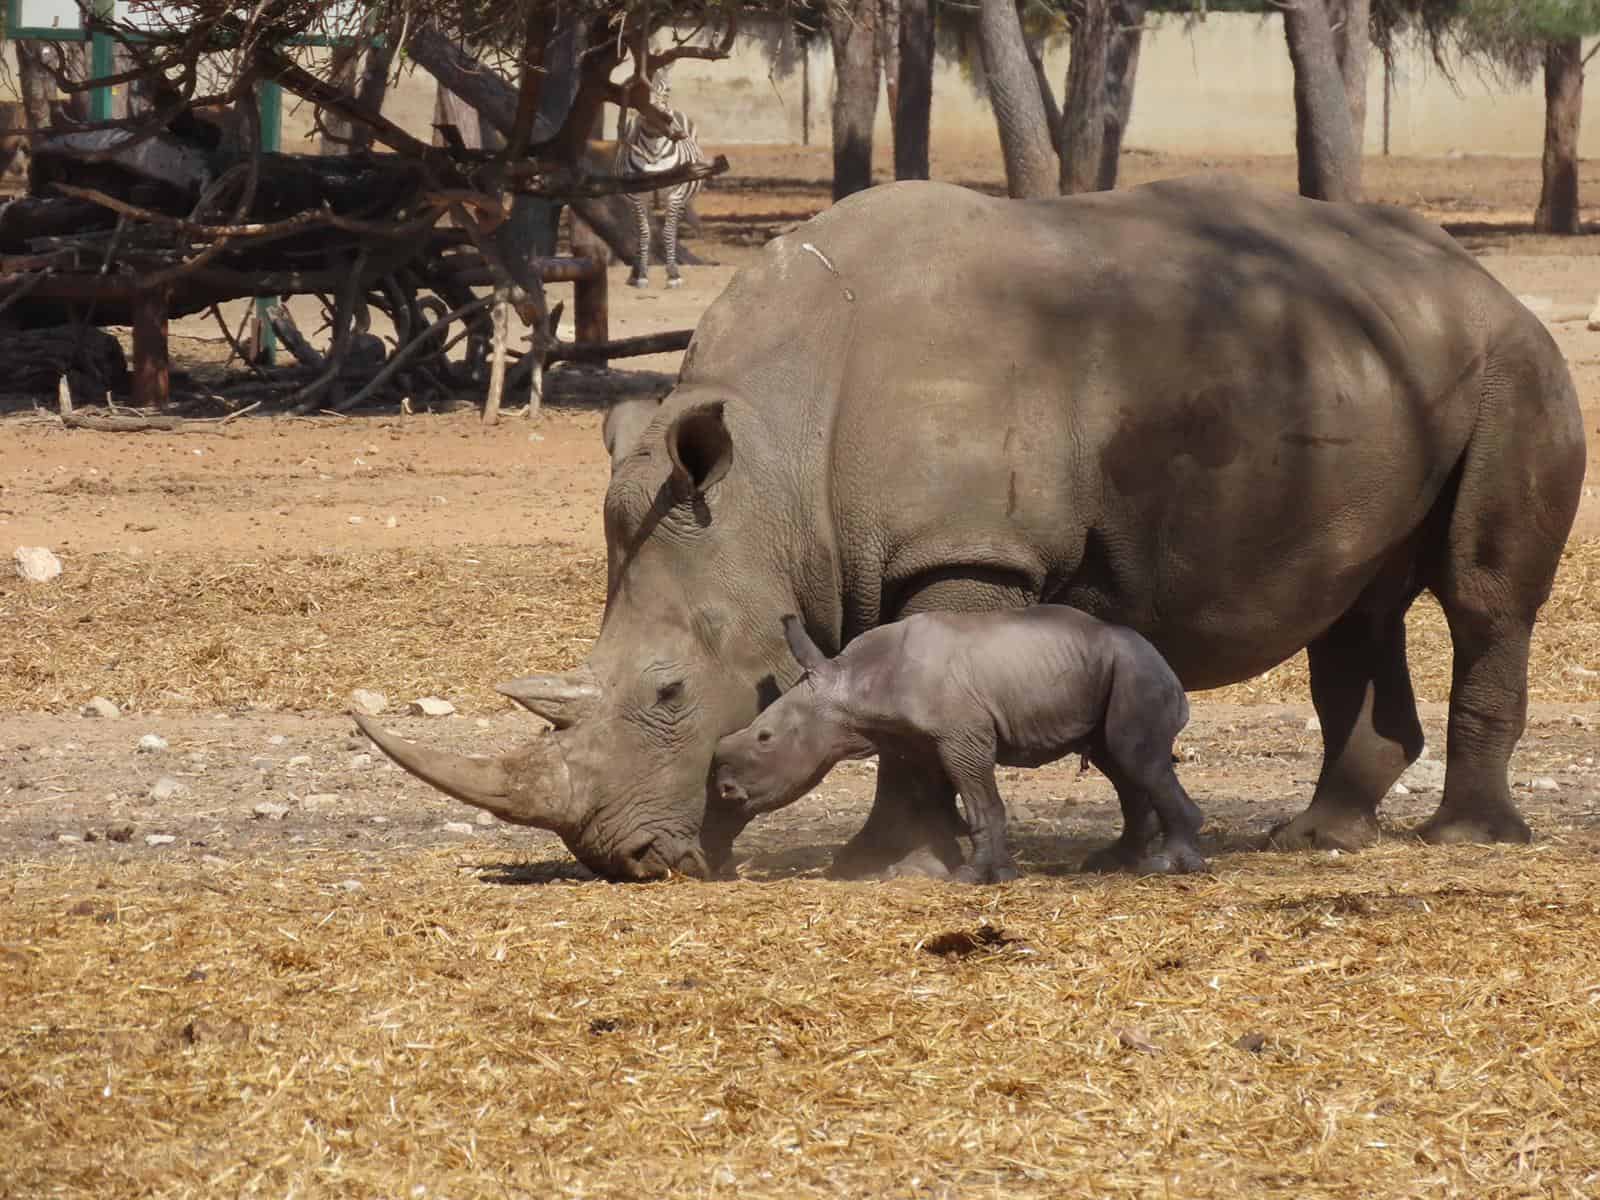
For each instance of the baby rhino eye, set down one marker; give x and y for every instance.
(764, 736)
(670, 693)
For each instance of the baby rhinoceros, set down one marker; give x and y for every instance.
(1019, 688)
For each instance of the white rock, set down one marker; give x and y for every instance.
(348, 885)
(482, 722)
(319, 800)
(159, 839)
(354, 520)
(101, 707)
(37, 564)
(300, 760)
(379, 820)
(152, 743)
(431, 706)
(268, 811)
(1400, 789)
(1313, 726)
(460, 827)
(165, 788)
(276, 739)
(68, 839)
(1594, 315)
(1545, 784)
(390, 523)
(368, 704)
(484, 818)
(360, 762)
(261, 763)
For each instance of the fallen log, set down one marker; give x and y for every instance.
(629, 347)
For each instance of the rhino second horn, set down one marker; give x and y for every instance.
(525, 788)
(563, 700)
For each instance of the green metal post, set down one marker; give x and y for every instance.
(102, 62)
(270, 99)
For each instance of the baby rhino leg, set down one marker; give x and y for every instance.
(970, 765)
(1140, 825)
(1144, 715)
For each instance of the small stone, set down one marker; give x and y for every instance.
(261, 763)
(300, 760)
(1313, 725)
(460, 827)
(379, 820)
(120, 833)
(68, 839)
(354, 520)
(368, 704)
(90, 835)
(482, 722)
(349, 885)
(101, 707)
(1251, 1043)
(159, 839)
(1137, 1039)
(390, 523)
(36, 564)
(165, 788)
(1400, 789)
(431, 706)
(1424, 775)
(1545, 784)
(268, 811)
(317, 801)
(484, 818)
(211, 860)
(1594, 315)
(152, 743)
(276, 739)
(360, 762)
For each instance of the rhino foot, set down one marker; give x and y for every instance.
(993, 873)
(1475, 828)
(1120, 858)
(1325, 828)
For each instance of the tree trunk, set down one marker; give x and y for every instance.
(914, 95)
(889, 58)
(344, 69)
(37, 87)
(1353, 43)
(1563, 109)
(374, 85)
(1083, 105)
(1122, 68)
(855, 95)
(1329, 167)
(1019, 111)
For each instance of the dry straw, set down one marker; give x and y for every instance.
(300, 633)
(1407, 1022)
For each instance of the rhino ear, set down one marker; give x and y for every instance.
(700, 447)
(801, 646)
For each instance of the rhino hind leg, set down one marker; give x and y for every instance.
(1361, 687)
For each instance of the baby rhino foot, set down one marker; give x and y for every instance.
(1174, 860)
(1001, 872)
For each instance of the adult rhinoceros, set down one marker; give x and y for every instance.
(1238, 421)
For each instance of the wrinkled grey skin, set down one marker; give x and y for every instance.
(969, 690)
(1239, 422)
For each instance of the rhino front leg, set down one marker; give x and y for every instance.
(912, 829)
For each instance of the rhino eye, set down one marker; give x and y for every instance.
(764, 736)
(670, 693)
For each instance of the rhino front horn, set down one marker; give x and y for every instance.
(526, 788)
(563, 700)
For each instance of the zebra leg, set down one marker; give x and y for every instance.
(677, 201)
(640, 278)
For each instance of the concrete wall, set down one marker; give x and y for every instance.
(1222, 87)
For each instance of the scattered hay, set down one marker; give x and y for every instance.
(1405, 1022)
(300, 633)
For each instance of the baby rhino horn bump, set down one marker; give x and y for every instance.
(563, 700)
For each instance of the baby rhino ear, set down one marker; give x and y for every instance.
(801, 646)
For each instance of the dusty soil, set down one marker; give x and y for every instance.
(176, 518)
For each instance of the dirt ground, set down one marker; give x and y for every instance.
(228, 590)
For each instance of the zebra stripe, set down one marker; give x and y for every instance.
(640, 152)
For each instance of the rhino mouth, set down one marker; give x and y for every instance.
(656, 854)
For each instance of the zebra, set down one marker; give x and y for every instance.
(640, 152)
